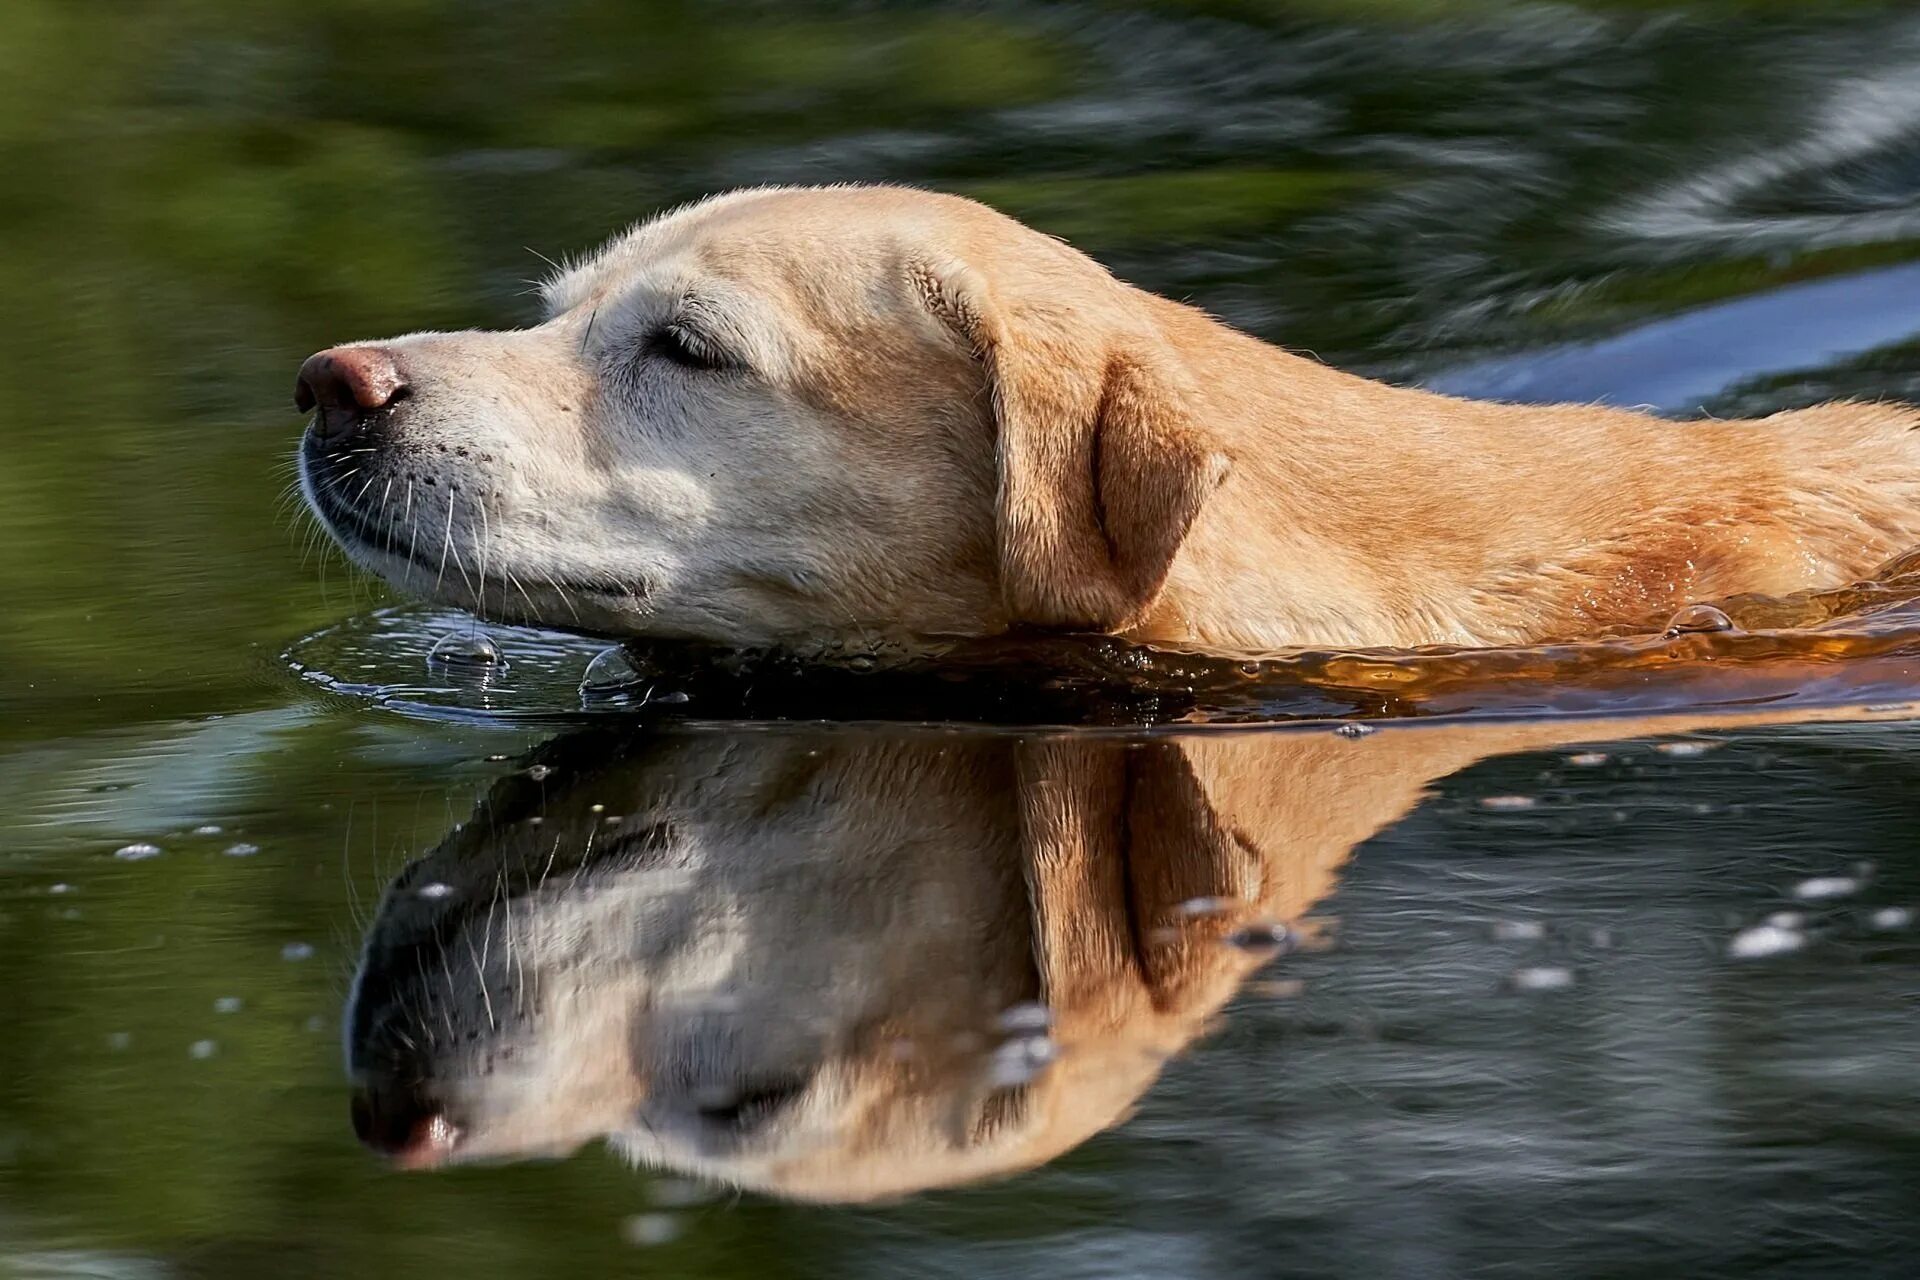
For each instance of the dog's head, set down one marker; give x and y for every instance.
(829, 970)
(776, 414)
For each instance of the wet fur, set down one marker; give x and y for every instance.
(947, 423)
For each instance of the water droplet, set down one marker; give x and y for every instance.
(1787, 920)
(646, 1230)
(1030, 1017)
(610, 671)
(1696, 619)
(242, 850)
(674, 697)
(1683, 750)
(203, 1049)
(1518, 931)
(1021, 1060)
(1825, 888)
(228, 1004)
(1353, 730)
(435, 890)
(119, 1040)
(207, 829)
(297, 951)
(138, 851)
(60, 888)
(471, 650)
(1207, 906)
(1507, 804)
(315, 1023)
(1587, 759)
(1260, 937)
(598, 808)
(1891, 918)
(1542, 978)
(1765, 940)
(540, 772)
(862, 662)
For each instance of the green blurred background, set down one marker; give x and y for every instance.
(199, 192)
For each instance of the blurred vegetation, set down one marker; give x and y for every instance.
(201, 191)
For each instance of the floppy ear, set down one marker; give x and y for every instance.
(1117, 837)
(1102, 466)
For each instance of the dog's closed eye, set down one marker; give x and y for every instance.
(680, 345)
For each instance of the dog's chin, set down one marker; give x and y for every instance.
(459, 576)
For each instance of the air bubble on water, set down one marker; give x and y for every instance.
(242, 850)
(863, 662)
(1261, 938)
(202, 1049)
(1826, 888)
(138, 851)
(646, 1230)
(1518, 931)
(1891, 918)
(1021, 1060)
(297, 951)
(540, 772)
(1683, 750)
(1507, 804)
(434, 890)
(536, 820)
(598, 808)
(1587, 759)
(60, 888)
(468, 650)
(674, 697)
(1352, 729)
(1696, 619)
(207, 829)
(228, 1004)
(1765, 940)
(1208, 906)
(610, 671)
(1541, 978)
(498, 757)
(1029, 1017)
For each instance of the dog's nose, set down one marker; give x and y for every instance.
(346, 384)
(409, 1132)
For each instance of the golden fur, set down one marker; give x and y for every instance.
(934, 420)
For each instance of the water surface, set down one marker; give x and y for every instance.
(1503, 986)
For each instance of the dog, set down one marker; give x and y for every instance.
(853, 966)
(799, 416)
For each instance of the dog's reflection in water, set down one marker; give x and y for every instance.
(846, 965)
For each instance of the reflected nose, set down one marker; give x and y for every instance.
(347, 384)
(410, 1132)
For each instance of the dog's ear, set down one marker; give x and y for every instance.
(1122, 845)
(1102, 464)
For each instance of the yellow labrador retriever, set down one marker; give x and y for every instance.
(804, 415)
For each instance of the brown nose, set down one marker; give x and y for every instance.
(410, 1134)
(347, 384)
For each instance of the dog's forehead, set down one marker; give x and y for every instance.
(830, 238)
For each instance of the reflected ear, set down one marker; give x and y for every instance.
(1102, 465)
(1117, 838)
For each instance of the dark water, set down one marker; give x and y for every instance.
(1501, 987)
